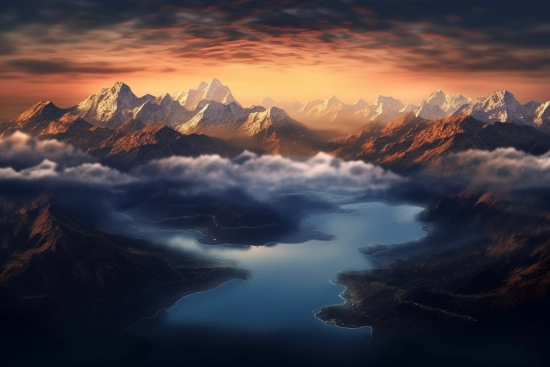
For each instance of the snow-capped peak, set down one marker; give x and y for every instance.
(437, 98)
(500, 106)
(430, 111)
(119, 85)
(500, 98)
(409, 108)
(215, 91)
(388, 102)
(118, 90)
(504, 96)
(446, 104)
(102, 107)
(332, 100)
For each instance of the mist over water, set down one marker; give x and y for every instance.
(270, 319)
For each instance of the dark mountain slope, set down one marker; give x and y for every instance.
(410, 141)
(55, 267)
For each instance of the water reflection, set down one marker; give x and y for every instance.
(289, 282)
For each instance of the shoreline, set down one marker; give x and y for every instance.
(332, 323)
(179, 299)
(150, 304)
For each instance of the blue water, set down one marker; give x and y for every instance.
(269, 320)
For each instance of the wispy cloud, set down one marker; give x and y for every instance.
(412, 34)
(501, 170)
(27, 158)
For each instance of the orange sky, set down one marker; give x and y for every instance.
(65, 51)
(250, 84)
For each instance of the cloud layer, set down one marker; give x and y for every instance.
(23, 151)
(272, 173)
(504, 169)
(247, 200)
(268, 195)
(25, 157)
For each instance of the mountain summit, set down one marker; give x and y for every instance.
(270, 130)
(440, 104)
(215, 91)
(501, 106)
(110, 107)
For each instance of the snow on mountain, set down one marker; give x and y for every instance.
(348, 116)
(289, 107)
(271, 130)
(446, 102)
(215, 117)
(542, 116)
(191, 96)
(272, 118)
(388, 103)
(500, 106)
(211, 107)
(382, 109)
(440, 105)
(276, 132)
(215, 91)
(409, 108)
(162, 110)
(430, 112)
(306, 109)
(111, 107)
(330, 110)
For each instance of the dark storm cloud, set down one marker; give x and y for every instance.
(452, 35)
(63, 66)
(6, 47)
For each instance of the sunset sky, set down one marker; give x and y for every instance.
(64, 50)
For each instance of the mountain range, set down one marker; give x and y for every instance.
(54, 263)
(270, 130)
(124, 130)
(214, 91)
(411, 141)
(500, 106)
(210, 109)
(132, 143)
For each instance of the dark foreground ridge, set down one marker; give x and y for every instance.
(451, 279)
(57, 270)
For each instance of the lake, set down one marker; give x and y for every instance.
(269, 319)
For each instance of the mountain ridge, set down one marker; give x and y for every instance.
(411, 142)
